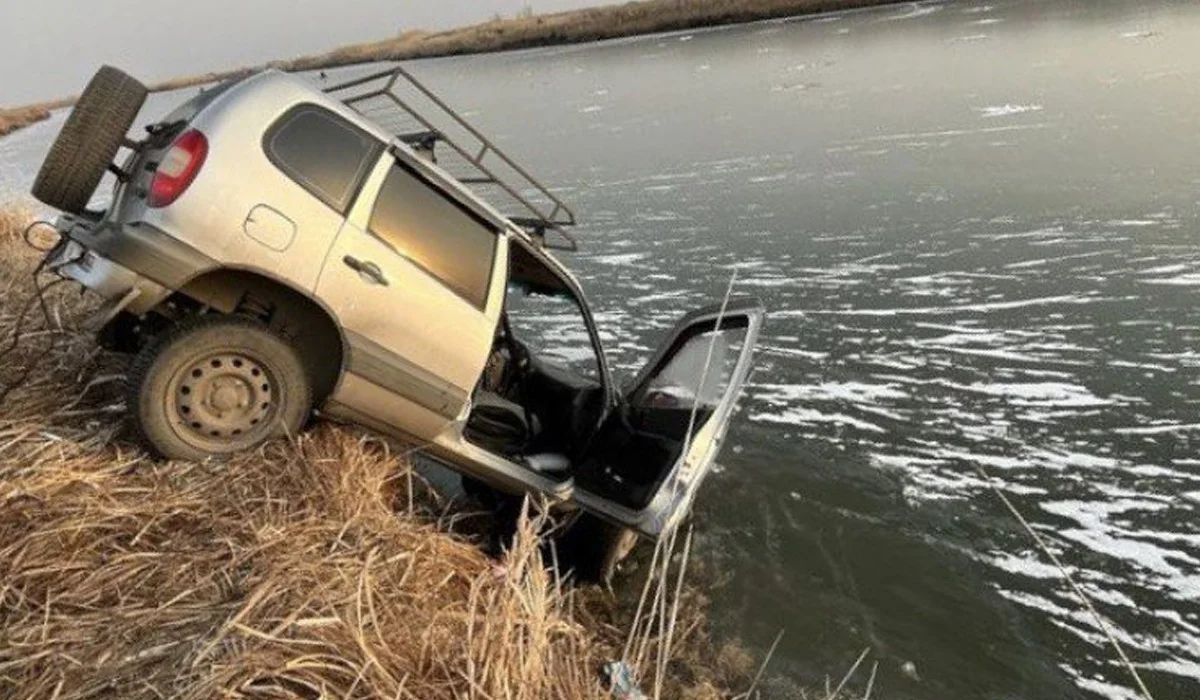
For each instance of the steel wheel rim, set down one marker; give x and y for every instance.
(223, 401)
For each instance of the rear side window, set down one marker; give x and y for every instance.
(435, 232)
(322, 152)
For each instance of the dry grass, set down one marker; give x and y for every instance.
(309, 569)
(21, 117)
(13, 219)
(576, 26)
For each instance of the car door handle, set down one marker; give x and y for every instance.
(366, 269)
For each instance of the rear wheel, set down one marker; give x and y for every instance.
(89, 140)
(215, 386)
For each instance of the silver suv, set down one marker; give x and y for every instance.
(272, 249)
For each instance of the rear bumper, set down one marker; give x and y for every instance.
(99, 274)
(122, 288)
(138, 264)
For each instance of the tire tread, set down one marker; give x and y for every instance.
(89, 140)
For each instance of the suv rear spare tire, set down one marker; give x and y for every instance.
(217, 385)
(89, 140)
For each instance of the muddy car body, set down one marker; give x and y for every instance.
(269, 251)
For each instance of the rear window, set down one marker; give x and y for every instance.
(427, 227)
(322, 152)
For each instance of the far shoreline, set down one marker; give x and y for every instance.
(582, 26)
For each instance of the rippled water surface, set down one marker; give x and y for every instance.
(975, 229)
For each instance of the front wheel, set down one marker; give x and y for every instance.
(593, 548)
(215, 386)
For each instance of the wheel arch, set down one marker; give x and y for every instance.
(305, 320)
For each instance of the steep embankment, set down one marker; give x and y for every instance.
(314, 569)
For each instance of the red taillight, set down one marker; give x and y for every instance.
(178, 168)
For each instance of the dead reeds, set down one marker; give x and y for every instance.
(308, 569)
(21, 117)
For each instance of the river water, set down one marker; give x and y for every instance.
(974, 227)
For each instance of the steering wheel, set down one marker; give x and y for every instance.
(520, 364)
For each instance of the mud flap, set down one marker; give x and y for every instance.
(101, 318)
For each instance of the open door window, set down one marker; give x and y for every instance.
(650, 456)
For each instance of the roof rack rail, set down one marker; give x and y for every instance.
(377, 97)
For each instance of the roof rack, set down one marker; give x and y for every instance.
(474, 159)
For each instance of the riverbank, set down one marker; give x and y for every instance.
(319, 567)
(20, 117)
(571, 27)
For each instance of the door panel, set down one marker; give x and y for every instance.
(418, 341)
(653, 453)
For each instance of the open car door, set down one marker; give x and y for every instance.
(651, 454)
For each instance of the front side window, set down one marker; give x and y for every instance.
(436, 233)
(699, 370)
(552, 327)
(322, 152)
